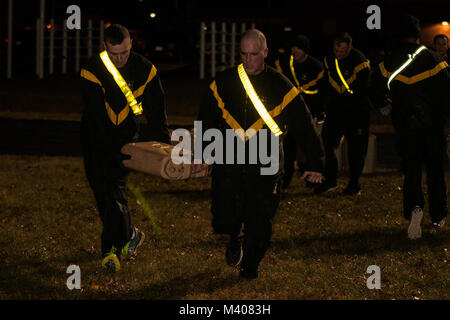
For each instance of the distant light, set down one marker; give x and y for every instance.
(27, 28)
(153, 15)
(49, 26)
(287, 29)
(444, 23)
(159, 48)
(107, 24)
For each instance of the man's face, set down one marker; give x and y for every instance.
(341, 49)
(298, 53)
(119, 53)
(441, 46)
(252, 56)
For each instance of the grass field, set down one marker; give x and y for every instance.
(321, 246)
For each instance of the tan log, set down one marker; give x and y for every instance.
(154, 158)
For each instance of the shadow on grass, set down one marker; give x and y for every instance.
(18, 282)
(180, 286)
(182, 195)
(366, 242)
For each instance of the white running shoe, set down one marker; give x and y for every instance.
(414, 229)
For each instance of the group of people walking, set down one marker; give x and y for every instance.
(124, 98)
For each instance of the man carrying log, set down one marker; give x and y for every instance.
(123, 100)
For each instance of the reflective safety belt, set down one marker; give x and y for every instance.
(411, 57)
(257, 102)
(342, 78)
(291, 64)
(134, 105)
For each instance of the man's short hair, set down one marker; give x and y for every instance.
(343, 37)
(257, 35)
(115, 34)
(439, 36)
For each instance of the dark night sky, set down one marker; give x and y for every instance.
(178, 21)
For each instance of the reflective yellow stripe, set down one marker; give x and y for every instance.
(404, 65)
(260, 122)
(418, 77)
(311, 84)
(278, 66)
(274, 112)
(342, 88)
(134, 105)
(117, 119)
(257, 102)
(342, 78)
(291, 64)
(89, 76)
(137, 93)
(225, 114)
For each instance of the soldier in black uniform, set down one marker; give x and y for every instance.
(109, 122)
(244, 201)
(416, 80)
(344, 89)
(304, 71)
(440, 42)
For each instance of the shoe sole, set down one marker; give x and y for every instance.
(414, 229)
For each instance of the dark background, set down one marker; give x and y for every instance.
(177, 24)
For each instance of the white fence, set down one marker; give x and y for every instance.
(218, 46)
(53, 43)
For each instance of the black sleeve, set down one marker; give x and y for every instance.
(209, 112)
(377, 88)
(154, 105)
(301, 125)
(325, 89)
(93, 126)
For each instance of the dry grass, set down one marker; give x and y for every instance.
(321, 247)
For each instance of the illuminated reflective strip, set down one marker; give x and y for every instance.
(136, 107)
(274, 112)
(150, 77)
(278, 66)
(312, 83)
(90, 76)
(225, 114)
(291, 64)
(342, 78)
(257, 102)
(418, 77)
(350, 80)
(411, 57)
